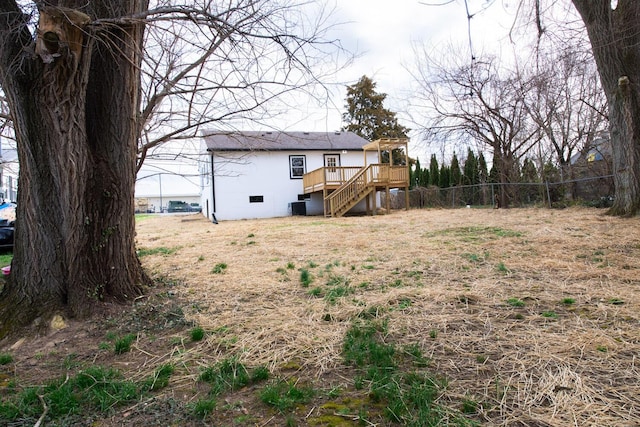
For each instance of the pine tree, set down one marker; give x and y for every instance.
(367, 117)
(445, 177)
(434, 171)
(483, 174)
(455, 173)
(470, 170)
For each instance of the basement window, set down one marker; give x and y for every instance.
(256, 199)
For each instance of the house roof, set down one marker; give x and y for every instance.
(274, 141)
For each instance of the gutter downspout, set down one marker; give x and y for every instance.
(213, 190)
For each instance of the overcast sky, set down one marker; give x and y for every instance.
(385, 32)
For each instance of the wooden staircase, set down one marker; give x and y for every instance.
(361, 185)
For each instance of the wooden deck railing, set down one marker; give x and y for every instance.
(328, 178)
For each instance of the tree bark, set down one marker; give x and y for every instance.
(74, 108)
(615, 40)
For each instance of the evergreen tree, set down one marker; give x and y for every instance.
(529, 174)
(445, 177)
(470, 171)
(455, 175)
(434, 171)
(416, 173)
(470, 177)
(529, 171)
(483, 174)
(367, 117)
(424, 178)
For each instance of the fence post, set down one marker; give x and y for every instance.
(546, 183)
(493, 196)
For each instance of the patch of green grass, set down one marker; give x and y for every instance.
(197, 334)
(156, 251)
(515, 302)
(475, 233)
(549, 314)
(469, 406)
(602, 348)
(334, 280)
(261, 373)
(502, 268)
(616, 301)
(475, 258)
(5, 259)
(219, 268)
(316, 292)
(481, 358)
(333, 294)
(203, 407)
(230, 374)
(568, 301)
(408, 398)
(305, 278)
(5, 358)
(90, 390)
(160, 378)
(433, 334)
(285, 395)
(404, 303)
(291, 266)
(123, 344)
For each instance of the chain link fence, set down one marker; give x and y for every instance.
(593, 191)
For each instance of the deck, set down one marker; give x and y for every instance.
(344, 187)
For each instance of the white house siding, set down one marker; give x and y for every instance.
(240, 175)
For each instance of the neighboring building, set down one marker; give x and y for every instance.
(155, 190)
(273, 174)
(591, 171)
(8, 174)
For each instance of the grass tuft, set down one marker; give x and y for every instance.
(123, 345)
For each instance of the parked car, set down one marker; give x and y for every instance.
(6, 234)
(195, 207)
(178, 206)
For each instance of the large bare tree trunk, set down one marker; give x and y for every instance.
(615, 39)
(74, 106)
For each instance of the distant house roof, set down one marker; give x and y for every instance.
(273, 141)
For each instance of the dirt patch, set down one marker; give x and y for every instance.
(532, 314)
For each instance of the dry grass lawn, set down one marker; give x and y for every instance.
(533, 313)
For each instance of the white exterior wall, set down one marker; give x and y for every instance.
(239, 175)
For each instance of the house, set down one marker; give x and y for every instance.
(274, 174)
(591, 171)
(8, 174)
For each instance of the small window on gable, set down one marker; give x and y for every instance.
(297, 166)
(256, 199)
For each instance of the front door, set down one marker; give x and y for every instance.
(332, 165)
